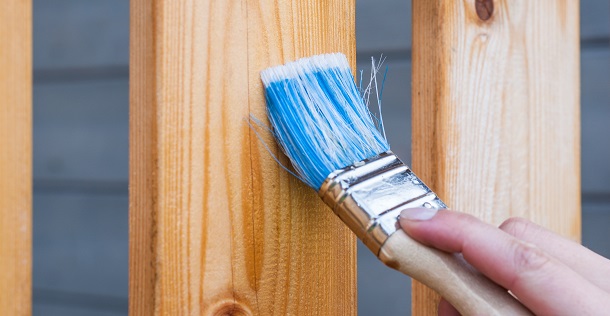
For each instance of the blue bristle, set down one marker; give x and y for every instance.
(318, 116)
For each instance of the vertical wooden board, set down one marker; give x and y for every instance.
(215, 226)
(142, 160)
(15, 157)
(294, 231)
(186, 155)
(496, 111)
(227, 282)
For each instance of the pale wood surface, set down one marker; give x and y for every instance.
(216, 227)
(496, 112)
(15, 157)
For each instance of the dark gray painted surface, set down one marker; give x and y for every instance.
(383, 25)
(44, 309)
(381, 290)
(595, 222)
(81, 146)
(595, 120)
(595, 19)
(81, 243)
(81, 130)
(396, 102)
(80, 34)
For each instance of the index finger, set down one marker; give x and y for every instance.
(541, 282)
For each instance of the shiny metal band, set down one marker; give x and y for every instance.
(369, 195)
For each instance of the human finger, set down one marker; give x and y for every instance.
(446, 309)
(593, 267)
(539, 281)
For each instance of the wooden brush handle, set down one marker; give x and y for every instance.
(470, 292)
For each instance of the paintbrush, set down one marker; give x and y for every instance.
(325, 128)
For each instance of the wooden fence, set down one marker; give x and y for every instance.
(217, 227)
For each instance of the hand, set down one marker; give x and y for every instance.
(549, 274)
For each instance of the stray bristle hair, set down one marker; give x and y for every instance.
(318, 116)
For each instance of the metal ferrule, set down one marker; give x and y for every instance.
(369, 195)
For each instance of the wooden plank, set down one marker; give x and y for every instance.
(215, 225)
(496, 111)
(305, 256)
(386, 28)
(15, 157)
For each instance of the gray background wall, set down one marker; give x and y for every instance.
(81, 146)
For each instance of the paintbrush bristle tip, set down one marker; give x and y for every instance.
(319, 117)
(304, 65)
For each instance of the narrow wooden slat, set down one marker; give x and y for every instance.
(15, 157)
(496, 111)
(305, 258)
(216, 226)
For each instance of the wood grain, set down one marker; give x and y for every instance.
(15, 157)
(216, 226)
(496, 112)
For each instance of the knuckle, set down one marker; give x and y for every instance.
(528, 260)
(516, 226)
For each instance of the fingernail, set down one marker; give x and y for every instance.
(418, 213)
